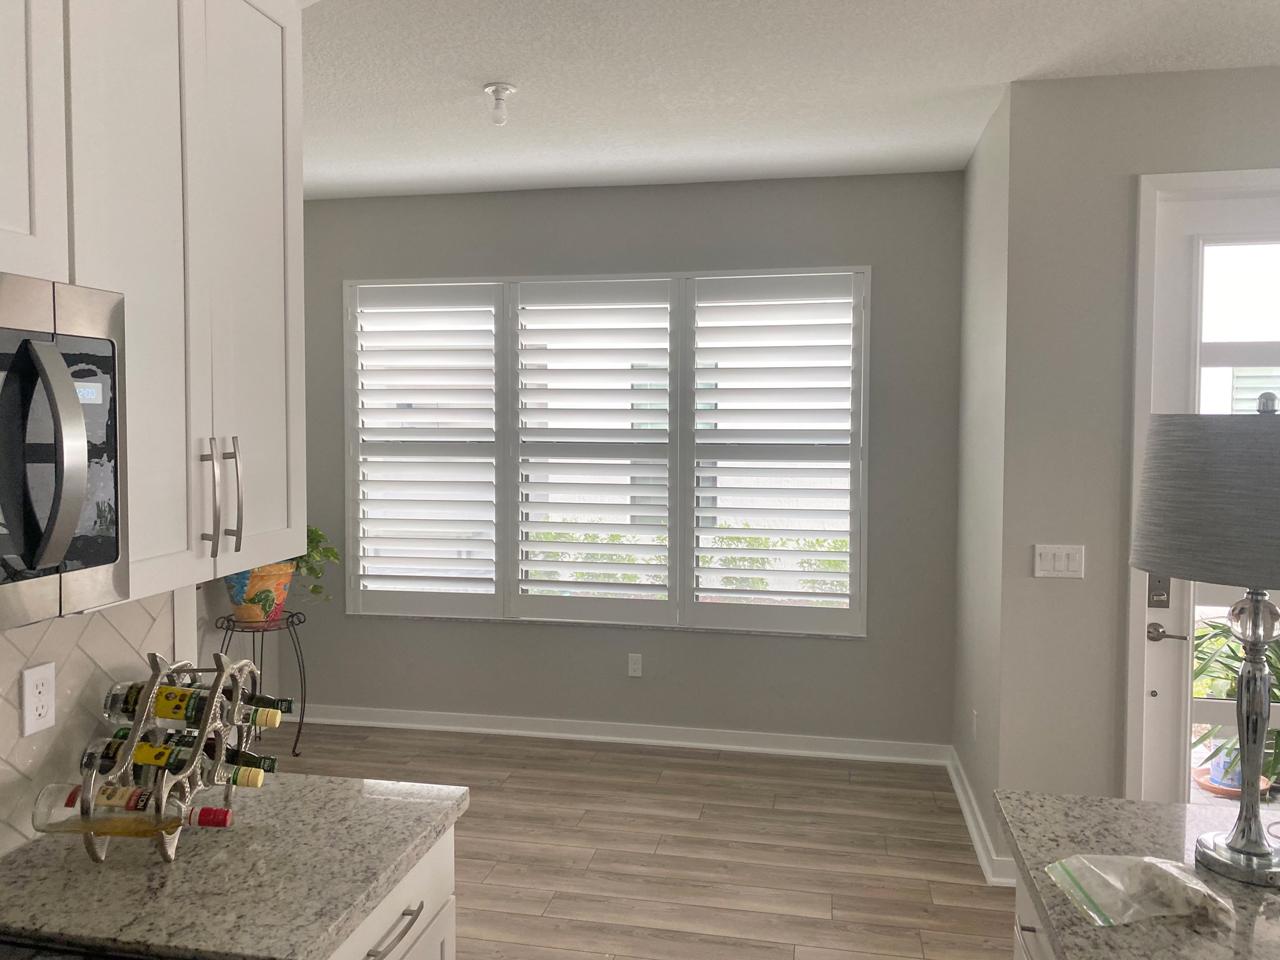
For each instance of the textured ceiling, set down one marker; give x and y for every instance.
(660, 91)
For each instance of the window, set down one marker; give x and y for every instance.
(425, 447)
(1239, 335)
(684, 450)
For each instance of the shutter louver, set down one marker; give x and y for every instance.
(593, 436)
(1247, 383)
(426, 457)
(776, 446)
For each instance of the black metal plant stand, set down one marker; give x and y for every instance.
(289, 621)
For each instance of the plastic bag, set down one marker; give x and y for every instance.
(1115, 890)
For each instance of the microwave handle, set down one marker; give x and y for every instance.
(71, 454)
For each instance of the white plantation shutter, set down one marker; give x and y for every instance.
(776, 446)
(680, 450)
(593, 437)
(1247, 383)
(426, 444)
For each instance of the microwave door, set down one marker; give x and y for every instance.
(27, 593)
(70, 455)
(90, 341)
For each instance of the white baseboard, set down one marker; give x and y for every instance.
(790, 744)
(999, 871)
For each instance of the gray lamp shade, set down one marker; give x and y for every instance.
(1209, 502)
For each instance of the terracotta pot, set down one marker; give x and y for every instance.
(259, 594)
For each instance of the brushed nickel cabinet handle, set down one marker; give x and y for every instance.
(238, 530)
(413, 913)
(71, 454)
(214, 459)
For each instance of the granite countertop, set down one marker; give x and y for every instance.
(1045, 828)
(305, 861)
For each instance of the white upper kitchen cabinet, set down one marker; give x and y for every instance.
(187, 198)
(33, 156)
(248, 267)
(125, 98)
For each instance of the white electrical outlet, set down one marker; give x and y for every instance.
(38, 686)
(635, 666)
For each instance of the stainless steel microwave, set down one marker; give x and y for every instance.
(62, 529)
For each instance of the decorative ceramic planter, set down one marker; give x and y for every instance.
(259, 594)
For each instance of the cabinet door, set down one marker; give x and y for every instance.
(250, 263)
(33, 153)
(127, 176)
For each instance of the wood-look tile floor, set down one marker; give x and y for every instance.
(577, 850)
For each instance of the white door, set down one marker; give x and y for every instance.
(33, 153)
(125, 98)
(1207, 341)
(247, 268)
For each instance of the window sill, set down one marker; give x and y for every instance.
(669, 628)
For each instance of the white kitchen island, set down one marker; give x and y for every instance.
(313, 868)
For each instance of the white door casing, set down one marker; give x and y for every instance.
(1178, 214)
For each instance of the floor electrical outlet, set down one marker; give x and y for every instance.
(634, 668)
(38, 686)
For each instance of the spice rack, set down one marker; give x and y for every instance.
(201, 772)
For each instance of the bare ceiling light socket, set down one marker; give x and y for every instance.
(499, 91)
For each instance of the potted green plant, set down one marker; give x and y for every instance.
(1217, 657)
(259, 594)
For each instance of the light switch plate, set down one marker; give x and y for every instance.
(38, 696)
(1058, 560)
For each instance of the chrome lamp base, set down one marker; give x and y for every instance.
(1212, 853)
(1245, 853)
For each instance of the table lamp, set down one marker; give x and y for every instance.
(1209, 510)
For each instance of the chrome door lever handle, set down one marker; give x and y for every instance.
(1156, 632)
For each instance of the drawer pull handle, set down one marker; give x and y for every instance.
(413, 913)
(1020, 930)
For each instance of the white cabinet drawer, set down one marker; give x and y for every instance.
(438, 941)
(415, 906)
(1030, 937)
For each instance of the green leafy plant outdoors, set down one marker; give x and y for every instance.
(1217, 658)
(312, 563)
(576, 545)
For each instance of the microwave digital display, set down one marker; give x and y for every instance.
(89, 392)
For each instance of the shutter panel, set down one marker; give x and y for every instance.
(593, 437)
(1247, 383)
(426, 440)
(776, 446)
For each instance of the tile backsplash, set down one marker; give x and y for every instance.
(91, 652)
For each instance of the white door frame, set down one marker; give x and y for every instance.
(1152, 190)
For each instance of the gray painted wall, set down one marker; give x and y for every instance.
(907, 228)
(976, 727)
(1076, 148)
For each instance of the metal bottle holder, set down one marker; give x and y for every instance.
(200, 772)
